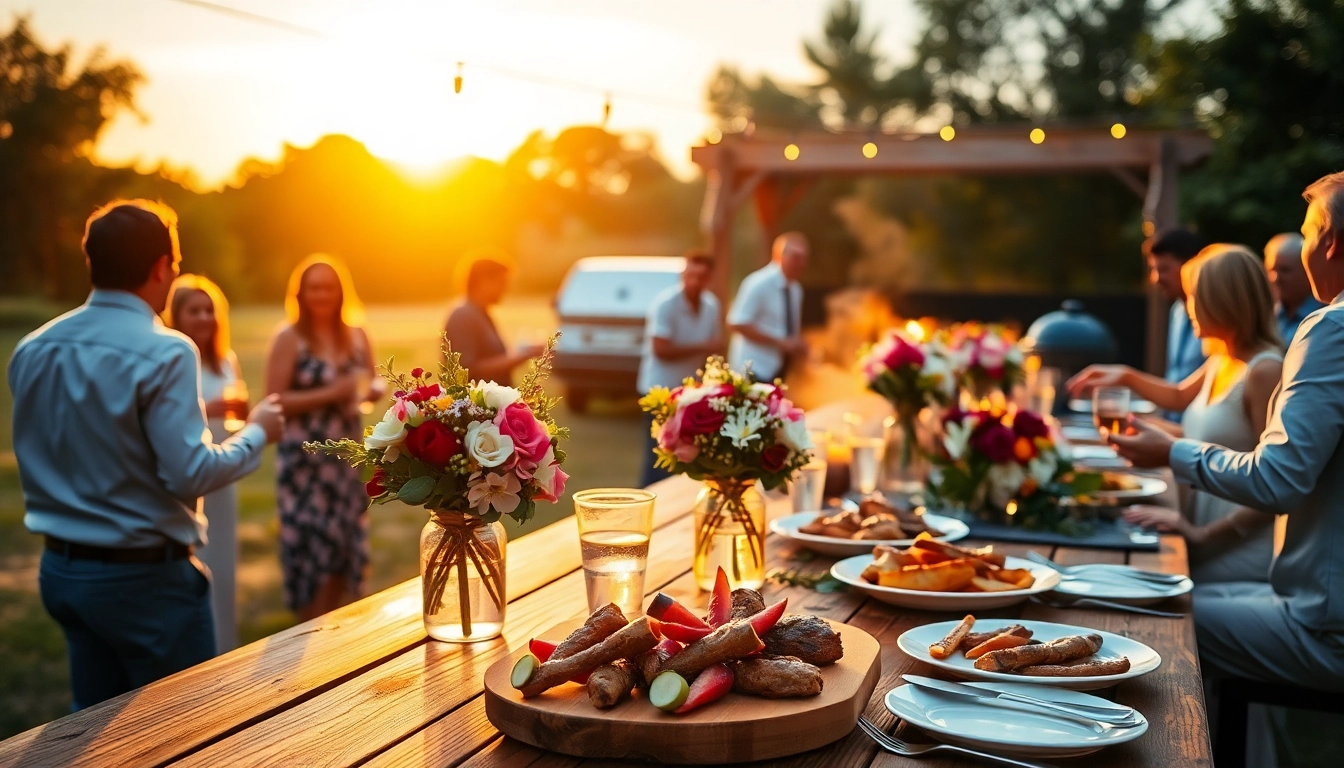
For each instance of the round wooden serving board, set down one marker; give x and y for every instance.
(735, 729)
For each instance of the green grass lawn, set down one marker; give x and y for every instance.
(33, 675)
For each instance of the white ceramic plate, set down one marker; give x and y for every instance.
(851, 572)
(1092, 452)
(1121, 590)
(787, 527)
(1148, 488)
(1136, 405)
(1142, 659)
(960, 720)
(1077, 434)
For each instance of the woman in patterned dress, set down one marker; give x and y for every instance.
(321, 365)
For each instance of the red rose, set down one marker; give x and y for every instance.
(773, 458)
(1029, 425)
(903, 353)
(433, 443)
(375, 485)
(427, 392)
(995, 441)
(417, 372)
(699, 419)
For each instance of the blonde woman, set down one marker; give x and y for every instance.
(197, 308)
(1226, 402)
(321, 365)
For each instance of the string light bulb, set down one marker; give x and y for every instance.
(457, 80)
(714, 136)
(1118, 130)
(947, 133)
(1037, 136)
(606, 111)
(791, 151)
(870, 150)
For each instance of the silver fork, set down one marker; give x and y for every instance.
(1081, 570)
(906, 749)
(1092, 602)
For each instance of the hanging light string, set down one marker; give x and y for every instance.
(606, 94)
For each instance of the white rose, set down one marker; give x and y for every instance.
(760, 391)
(1005, 480)
(1042, 468)
(497, 396)
(794, 434)
(486, 445)
(957, 436)
(939, 369)
(695, 394)
(387, 434)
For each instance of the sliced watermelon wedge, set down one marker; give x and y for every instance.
(678, 632)
(709, 686)
(543, 649)
(664, 608)
(762, 621)
(720, 600)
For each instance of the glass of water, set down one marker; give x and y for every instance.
(865, 463)
(614, 529)
(807, 490)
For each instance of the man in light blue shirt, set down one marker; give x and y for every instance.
(1290, 630)
(1166, 254)
(114, 455)
(1283, 264)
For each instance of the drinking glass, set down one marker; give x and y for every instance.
(1110, 408)
(807, 490)
(1044, 391)
(614, 529)
(865, 464)
(235, 418)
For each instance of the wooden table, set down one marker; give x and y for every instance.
(364, 686)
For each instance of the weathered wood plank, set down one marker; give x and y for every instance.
(358, 718)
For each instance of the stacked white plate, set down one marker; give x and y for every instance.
(951, 529)
(962, 721)
(1110, 582)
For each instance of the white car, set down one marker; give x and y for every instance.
(601, 307)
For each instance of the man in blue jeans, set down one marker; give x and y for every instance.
(114, 455)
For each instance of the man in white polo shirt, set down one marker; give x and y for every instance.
(683, 327)
(766, 316)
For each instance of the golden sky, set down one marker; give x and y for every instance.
(220, 89)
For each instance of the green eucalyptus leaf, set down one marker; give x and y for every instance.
(416, 490)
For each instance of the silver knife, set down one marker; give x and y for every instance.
(1096, 717)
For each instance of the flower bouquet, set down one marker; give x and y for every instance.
(469, 452)
(987, 358)
(911, 376)
(730, 433)
(1005, 468)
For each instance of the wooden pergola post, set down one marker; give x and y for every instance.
(739, 165)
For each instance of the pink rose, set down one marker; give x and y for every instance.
(530, 439)
(903, 353)
(550, 478)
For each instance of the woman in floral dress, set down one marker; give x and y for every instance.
(321, 365)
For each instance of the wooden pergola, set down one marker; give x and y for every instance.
(776, 170)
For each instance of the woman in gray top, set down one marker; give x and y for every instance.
(1225, 402)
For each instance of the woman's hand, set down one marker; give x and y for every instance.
(1099, 376)
(377, 390)
(344, 389)
(1162, 519)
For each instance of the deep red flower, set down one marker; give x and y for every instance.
(700, 419)
(375, 485)
(421, 394)
(903, 353)
(1029, 425)
(773, 458)
(995, 441)
(417, 372)
(433, 443)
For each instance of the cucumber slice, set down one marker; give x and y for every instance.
(523, 669)
(668, 691)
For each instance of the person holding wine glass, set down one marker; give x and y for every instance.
(197, 309)
(316, 364)
(1225, 401)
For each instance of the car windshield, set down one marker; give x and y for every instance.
(611, 293)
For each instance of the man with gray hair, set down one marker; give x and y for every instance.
(1283, 262)
(1290, 630)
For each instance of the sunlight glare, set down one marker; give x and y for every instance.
(915, 330)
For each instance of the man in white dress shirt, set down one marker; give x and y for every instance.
(766, 316)
(683, 327)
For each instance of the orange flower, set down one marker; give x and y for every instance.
(1029, 487)
(1024, 449)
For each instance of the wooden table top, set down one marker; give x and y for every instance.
(365, 686)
